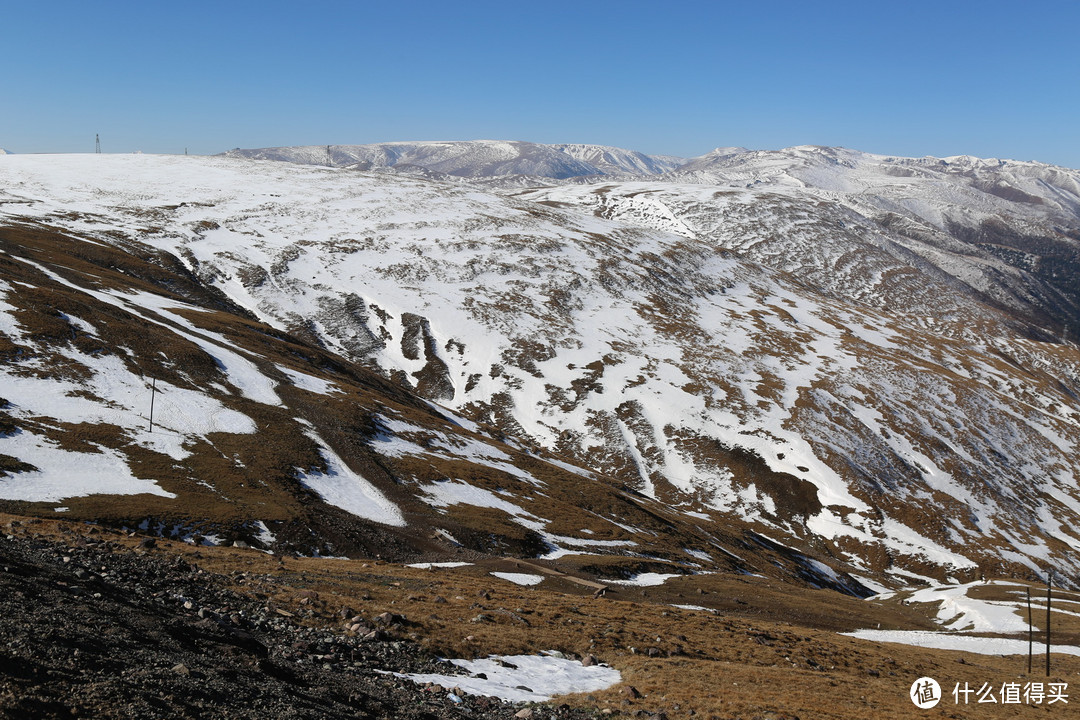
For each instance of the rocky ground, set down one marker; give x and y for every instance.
(91, 628)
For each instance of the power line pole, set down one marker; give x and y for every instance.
(1031, 630)
(153, 392)
(97, 143)
(1049, 582)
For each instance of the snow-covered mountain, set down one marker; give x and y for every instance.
(616, 161)
(475, 158)
(895, 419)
(922, 237)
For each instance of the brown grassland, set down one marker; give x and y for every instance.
(766, 650)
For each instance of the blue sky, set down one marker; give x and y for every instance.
(914, 78)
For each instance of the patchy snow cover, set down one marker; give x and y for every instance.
(519, 578)
(453, 492)
(476, 158)
(432, 565)
(958, 611)
(963, 616)
(339, 486)
(633, 348)
(64, 474)
(265, 536)
(649, 579)
(952, 641)
(108, 393)
(532, 678)
(309, 382)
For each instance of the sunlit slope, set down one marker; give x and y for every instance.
(132, 394)
(656, 356)
(920, 237)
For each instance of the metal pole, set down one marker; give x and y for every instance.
(1049, 583)
(1031, 631)
(153, 392)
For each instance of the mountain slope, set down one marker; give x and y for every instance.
(1004, 231)
(732, 392)
(254, 435)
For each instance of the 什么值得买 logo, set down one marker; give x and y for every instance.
(925, 693)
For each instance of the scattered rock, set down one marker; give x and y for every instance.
(240, 657)
(389, 618)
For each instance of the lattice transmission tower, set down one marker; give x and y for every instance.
(97, 143)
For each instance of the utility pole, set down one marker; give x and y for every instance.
(153, 392)
(1031, 631)
(97, 143)
(1049, 582)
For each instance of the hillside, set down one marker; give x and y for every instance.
(921, 237)
(616, 382)
(261, 438)
(95, 623)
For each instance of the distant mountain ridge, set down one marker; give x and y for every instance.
(476, 158)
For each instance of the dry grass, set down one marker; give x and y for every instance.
(775, 656)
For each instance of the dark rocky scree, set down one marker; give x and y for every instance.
(91, 629)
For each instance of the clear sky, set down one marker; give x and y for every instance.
(947, 77)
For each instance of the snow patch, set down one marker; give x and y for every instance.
(519, 578)
(529, 678)
(432, 565)
(343, 488)
(952, 641)
(649, 579)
